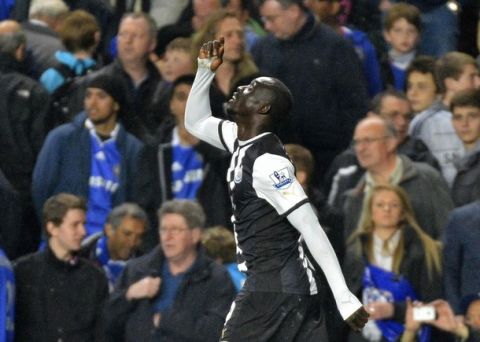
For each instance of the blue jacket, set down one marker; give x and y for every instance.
(461, 257)
(64, 164)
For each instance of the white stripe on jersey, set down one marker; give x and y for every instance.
(308, 268)
(234, 171)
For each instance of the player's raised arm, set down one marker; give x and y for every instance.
(306, 222)
(198, 115)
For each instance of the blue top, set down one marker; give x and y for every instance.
(7, 299)
(169, 287)
(52, 79)
(112, 268)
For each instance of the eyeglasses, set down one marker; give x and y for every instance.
(368, 141)
(175, 231)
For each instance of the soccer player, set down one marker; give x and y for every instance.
(270, 213)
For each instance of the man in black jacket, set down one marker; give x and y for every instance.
(174, 293)
(60, 296)
(24, 106)
(323, 73)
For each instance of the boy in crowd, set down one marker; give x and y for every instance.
(433, 121)
(60, 296)
(465, 107)
(401, 30)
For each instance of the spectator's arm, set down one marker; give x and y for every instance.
(452, 263)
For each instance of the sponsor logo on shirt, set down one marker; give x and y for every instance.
(281, 179)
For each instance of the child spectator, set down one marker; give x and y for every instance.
(433, 121)
(465, 107)
(401, 30)
(219, 243)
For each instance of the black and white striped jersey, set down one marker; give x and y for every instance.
(264, 190)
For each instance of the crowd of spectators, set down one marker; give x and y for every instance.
(115, 220)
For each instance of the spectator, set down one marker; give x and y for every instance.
(393, 106)
(247, 12)
(461, 258)
(323, 73)
(59, 295)
(433, 121)
(91, 157)
(191, 20)
(177, 61)
(43, 41)
(136, 40)
(330, 12)
(119, 242)
(219, 244)
(465, 330)
(465, 107)
(389, 259)
(456, 71)
(401, 30)
(238, 67)
(175, 292)
(179, 166)
(80, 34)
(7, 299)
(24, 106)
(375, 146)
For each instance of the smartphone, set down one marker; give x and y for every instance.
(424, 313)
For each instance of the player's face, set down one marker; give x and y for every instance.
(126, 239)
(386, 210)
(69, 234)
(232, 30)
(402, 36)
(421, 90)
(100, 107)
(247, 99)
(178, 241)
(466, 121)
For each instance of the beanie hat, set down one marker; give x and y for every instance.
(112, 85)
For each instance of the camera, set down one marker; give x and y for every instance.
(424, 313)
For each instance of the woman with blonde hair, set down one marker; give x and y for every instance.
(390, 258)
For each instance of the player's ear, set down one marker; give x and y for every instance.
(264, 109)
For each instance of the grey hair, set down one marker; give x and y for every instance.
(152, 25)
(130, 210)
(191, 211)
(48, 8)
(10, 42)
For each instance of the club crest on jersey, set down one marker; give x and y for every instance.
(237, 177)
(281, 179)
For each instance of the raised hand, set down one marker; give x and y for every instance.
(213, 50)
(358, 319)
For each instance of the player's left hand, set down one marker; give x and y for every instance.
(358, 319)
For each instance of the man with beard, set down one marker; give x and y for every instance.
(279, 299)
(93, 156)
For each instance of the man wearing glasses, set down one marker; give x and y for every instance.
(375, 142)
(175, 292)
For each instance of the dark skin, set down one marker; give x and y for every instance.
(251, 106)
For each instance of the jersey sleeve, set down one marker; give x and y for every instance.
(198, 114)
(274, 180)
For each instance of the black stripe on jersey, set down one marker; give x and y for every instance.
(298, 205)
(220, 134)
